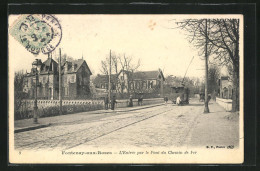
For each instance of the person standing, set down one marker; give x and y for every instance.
(165, 99)
(130, 101)
(106, 102)
(113, 101)
(209, 97)
(178, 100)
(141, 100)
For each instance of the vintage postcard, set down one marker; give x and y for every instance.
(126, 89)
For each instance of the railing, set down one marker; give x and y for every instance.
(28, 104)
(51, 107)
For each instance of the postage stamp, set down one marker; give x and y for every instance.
(37, 32)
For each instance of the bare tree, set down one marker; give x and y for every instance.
(222, 42)
(197, 33)
(225, 38)
(105, 64)
(19, 95)
(119, 63)
(115, 67)
(129, 67)
(104, 68)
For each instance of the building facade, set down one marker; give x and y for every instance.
(225, 90)
(75, 80)
(142, 82)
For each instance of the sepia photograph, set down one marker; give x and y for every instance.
(126, 88)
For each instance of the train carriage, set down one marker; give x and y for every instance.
(181, 91)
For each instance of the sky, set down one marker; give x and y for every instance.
(145, 37)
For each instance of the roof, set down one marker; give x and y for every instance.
(146, 75)
(141, 75)
(49, 61)
(45, 67)
(77, 64)
(104, 78)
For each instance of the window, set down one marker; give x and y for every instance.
(151, 84)
(26, 82)
(123, 86)
(72, 79)
(137, 85)
(144, 84)
(68, 79)
(132, 86)
(44, 80)
(66, 92)
(113, 86)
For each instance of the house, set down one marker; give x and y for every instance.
(101, 82)
(75, 80)
(225, 87)
(47, 80)
(144, 82)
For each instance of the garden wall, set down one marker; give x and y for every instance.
(51, 103)
(51, 107)
(225, 103)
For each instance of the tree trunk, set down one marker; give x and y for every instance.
(235, 95)
(206, 103)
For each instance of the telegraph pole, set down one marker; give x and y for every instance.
(109, 78)
(60, 87)
(206, 108)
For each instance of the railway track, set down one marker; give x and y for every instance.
(136, 118)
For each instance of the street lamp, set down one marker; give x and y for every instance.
(35, 65)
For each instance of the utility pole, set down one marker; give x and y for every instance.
(186, 71)
(206, 108)
(109, 78)
(60, 87)
(162, 93)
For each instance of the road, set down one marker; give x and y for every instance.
(160, 126)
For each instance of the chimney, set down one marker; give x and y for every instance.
(52, 64)
(66, 67)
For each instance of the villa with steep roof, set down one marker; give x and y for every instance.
(75, 80)
(225, 87)
(132, 82)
